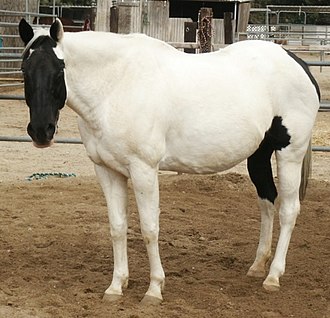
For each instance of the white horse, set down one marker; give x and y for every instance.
(145, 106)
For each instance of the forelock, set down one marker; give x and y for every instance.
(41, 39)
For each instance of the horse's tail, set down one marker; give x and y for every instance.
(306, 169)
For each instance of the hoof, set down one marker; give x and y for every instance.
(150, 301)
(271, 284)
(256, 273)
(110, 298)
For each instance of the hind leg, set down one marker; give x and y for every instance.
(289, 173)
(259, 266)
(260, 171)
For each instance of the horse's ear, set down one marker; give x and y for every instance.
(56, 30)
(25, 31)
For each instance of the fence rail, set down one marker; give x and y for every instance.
(77, 141)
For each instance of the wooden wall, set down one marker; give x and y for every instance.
(152, 18)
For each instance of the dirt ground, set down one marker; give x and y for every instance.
(55, 247)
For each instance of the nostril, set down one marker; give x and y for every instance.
(41, 134)
(30, 130)
(50, 131)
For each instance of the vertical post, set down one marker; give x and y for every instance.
(114, 19)
(141, 15)
(205, 29)
(228, 27)
(190, 29)
(54, 5)
(27, 17)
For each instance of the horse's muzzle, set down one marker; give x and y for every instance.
(42, 136)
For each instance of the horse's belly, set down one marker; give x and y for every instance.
(205, 160)
(211, 144)
(194, 166)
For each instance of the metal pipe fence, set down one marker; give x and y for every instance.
(10, 55)
(59, 140)
(13, 54)
(77, 141)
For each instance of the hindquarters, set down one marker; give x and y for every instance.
(289, 137)
(295, 97)
(289, 159)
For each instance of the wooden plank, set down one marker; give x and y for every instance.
(124, 19)
(155, 19)
(128, 18)
(243, 16)
(184, 45)
(218, 31)
(114, 19)
(228, 16)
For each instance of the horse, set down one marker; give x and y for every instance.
(144, 106)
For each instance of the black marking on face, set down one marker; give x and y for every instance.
(45, 89)
(259, 164)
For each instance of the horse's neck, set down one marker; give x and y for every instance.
(87, 69)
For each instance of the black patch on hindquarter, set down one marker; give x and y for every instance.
(259, 164)
(306, 69)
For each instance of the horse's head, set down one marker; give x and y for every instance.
(44, 80)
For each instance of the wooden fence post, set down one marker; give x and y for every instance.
(205, 29)
(228, 16)
(114, 19)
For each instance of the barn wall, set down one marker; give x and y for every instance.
(152, 18)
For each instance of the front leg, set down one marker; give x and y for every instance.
(114, 186)
(145, 185)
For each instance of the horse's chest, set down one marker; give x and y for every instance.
(102, 155)
(101, 150)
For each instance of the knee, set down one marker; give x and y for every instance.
(118, 231)
(150, 235)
